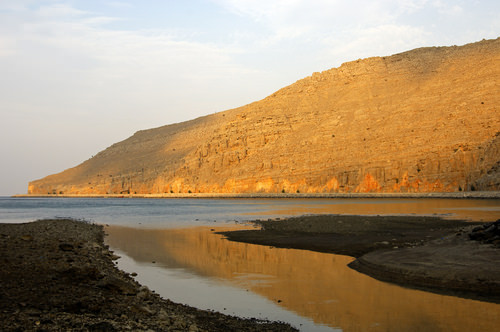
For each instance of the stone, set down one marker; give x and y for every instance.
(66, 247)
(487, 233)
(120, 285)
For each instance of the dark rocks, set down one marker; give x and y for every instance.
(487, 233)
(118, 284)
(101, 327)
(66, 247)
(57, 275)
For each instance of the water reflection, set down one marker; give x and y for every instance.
(315, 285)
(468, 209)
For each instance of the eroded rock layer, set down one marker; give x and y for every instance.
(421, 121)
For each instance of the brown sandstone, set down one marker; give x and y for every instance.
(426, 120)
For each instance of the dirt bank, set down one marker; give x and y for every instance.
(420, 252)
(58, 275)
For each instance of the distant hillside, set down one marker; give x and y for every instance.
(421, 121)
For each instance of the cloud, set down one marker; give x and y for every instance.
(59, 10)
(114, 66)
(7, 46)
(313, 16)
(336, 31)
(446, 8)
(379, 40)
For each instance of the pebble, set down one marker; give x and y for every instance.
(66, 247)
(27, 238)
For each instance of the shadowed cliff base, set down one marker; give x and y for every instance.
(58, 275)
(425, 120)
(426, 253)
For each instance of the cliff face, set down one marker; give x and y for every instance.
(420, 121)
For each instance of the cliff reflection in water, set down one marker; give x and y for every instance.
(467, 209)
(315, 285)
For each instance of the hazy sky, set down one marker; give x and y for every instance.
(77, 76)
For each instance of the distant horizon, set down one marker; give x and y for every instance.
(79, 76)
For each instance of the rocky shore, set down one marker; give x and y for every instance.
(58, 275)
(444, 256)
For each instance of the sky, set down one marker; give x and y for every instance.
(77, 76)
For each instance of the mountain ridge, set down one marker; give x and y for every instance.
(425, 120)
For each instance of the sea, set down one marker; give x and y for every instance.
(174, 247)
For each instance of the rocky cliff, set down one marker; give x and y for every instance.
(421, 121)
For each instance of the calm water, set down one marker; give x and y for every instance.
(173, 247)
(161, 213)
(312, 291)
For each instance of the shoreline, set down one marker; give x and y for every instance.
(59, 275)
(426, 253)
(446, 195)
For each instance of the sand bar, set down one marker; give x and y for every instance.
(420, 252)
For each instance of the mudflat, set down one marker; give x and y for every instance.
(444, 256)
(58, 275)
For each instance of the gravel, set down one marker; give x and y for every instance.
(57, 275)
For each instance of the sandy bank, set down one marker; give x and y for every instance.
(420, 252)
(58, 275)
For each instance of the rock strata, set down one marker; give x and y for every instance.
(425, 120)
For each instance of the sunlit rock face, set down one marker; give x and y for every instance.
(421, 121)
